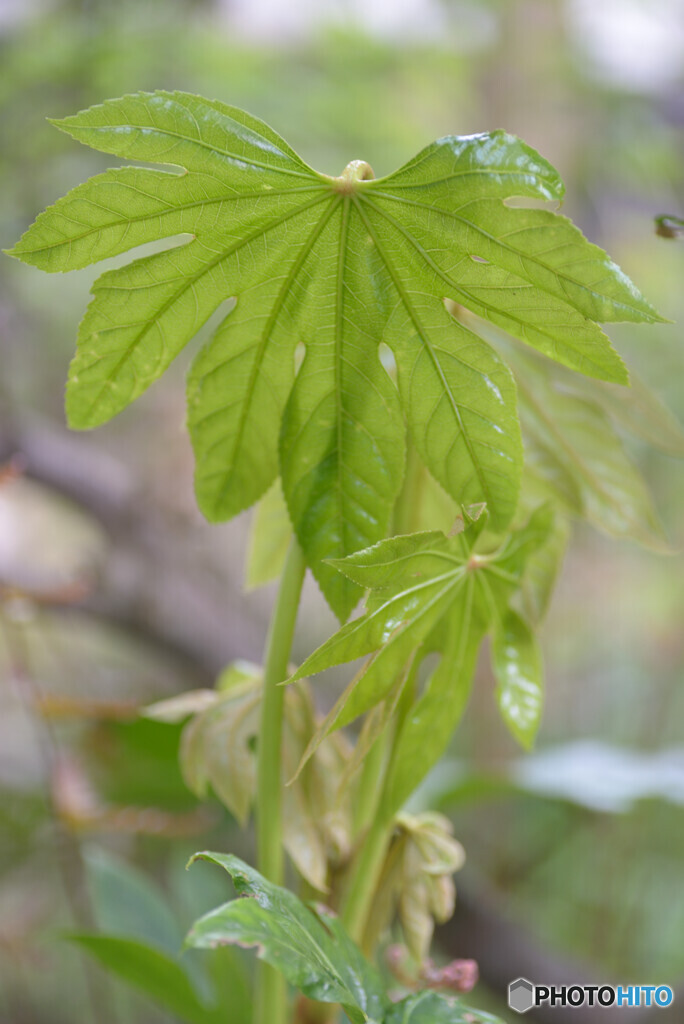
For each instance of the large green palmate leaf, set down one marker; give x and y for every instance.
(338, 264)
(311, 948)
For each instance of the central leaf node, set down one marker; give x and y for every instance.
(354, 172)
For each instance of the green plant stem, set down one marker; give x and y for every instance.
(364, 876)
(370, 784)
(367, 865)
(271, 1002)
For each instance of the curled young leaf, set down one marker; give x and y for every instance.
(416, 880)
(219, 750)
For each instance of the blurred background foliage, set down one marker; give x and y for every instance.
(115, 593)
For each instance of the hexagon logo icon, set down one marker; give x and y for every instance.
(521, 995)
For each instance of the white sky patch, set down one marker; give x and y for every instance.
(464, 24)
(635, 44)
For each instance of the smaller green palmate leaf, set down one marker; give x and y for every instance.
(308, 946)
(269, 539)
(517, 663)
(426, 577)
(427, 729)
(638, 410)
(154, 973)
(542, 570)
(426, 594)
(577, 438)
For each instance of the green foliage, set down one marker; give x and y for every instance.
(218, 749)
(575, 454)
(311, 949)
(417, 881)
(139, 941)
(355, 309)
(339, 264)
(269, 539)
(154, 973)
(433, 593)
(517, 663)
(127, 904)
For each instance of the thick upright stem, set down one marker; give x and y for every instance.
(370, 785)
(367, 866)
(271, 991)
(364, 876)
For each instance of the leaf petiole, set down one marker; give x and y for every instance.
(271, 1004)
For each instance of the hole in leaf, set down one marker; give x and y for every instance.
(210, 326)
(387, 359)
(465, 316)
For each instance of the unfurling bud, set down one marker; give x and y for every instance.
(416, 882)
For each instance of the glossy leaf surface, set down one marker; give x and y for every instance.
(340, 265)
(430, 1008)
(428, 592)
(310, 947)
(517, 663)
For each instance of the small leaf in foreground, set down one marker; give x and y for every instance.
(430, 1008)
(309, 947)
